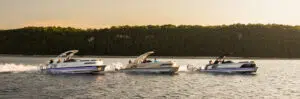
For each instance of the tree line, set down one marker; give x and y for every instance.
(240, 40)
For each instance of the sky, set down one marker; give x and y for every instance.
(106, 13)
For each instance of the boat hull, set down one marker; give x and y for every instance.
(77, 69)
(231, 70)
(169, 70)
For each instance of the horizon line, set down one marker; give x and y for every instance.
(130, 25)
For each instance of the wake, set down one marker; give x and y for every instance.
(15, 68)
(19, 68)
(114, 67)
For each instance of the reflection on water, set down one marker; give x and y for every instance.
(274, 79)
(231, 74)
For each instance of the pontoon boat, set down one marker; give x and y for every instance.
(142, 65)
(64, 63)
(221, 66)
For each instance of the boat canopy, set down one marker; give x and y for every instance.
(67, 54)
(142, 57)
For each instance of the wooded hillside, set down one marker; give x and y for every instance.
(251, 40)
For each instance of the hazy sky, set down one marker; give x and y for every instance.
(105, 13)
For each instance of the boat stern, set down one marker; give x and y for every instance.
(101, 68)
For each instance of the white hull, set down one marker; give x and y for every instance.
(65, 64)
(232, 70)
(152, 67)
(243, 67)
(152, 70)
(80, 69)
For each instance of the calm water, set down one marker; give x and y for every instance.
(20, 78)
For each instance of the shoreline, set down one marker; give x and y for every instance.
(164, 57)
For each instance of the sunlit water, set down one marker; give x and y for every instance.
(20, 78)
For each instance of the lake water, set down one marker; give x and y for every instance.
(275, 79)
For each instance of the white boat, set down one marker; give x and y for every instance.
(142, 65)
(64, 63)
(230, 67)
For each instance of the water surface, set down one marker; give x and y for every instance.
(20, 78)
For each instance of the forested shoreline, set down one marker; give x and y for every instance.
(238, 40)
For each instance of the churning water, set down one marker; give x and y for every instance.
(20, 78)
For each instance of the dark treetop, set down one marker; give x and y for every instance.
(251, 40)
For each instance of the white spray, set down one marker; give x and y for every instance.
(18, 68)
(114, 66)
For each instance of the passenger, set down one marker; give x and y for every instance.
(67, 59)
(51, 61)
(129, 62)
(216, 61)
(155, 60)
(210, 62)
(58, 61)
(144, 61)
(223, 59)
(220, 59)
(148, 61)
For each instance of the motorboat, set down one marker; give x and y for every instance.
(64, 63)
(142, 65)
(221, 66)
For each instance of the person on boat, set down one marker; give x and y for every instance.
(223, 59)
(155, 60)
(219, 60)
(51, 61)
(129, 62)
(58, 61)
(210, 62)
(216, 61)
(68, 59)
(144, 61)
(148, 61)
